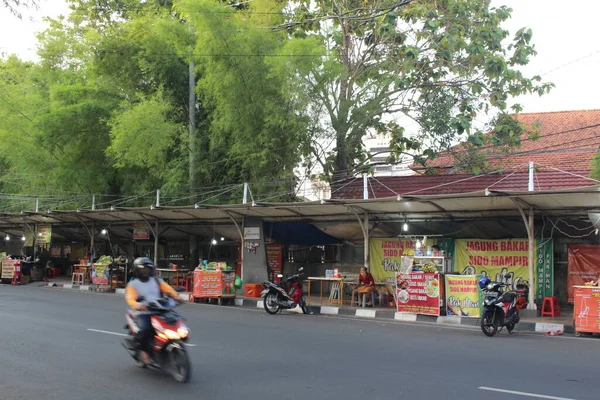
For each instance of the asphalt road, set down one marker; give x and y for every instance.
(48, 352)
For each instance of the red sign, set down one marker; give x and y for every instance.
(418, 293)
(584, 266)
(587, 309)
(275, 259)
(213, 283)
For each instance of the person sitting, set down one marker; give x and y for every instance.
(366, 285)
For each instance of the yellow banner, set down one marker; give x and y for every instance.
(463, 297)
(505, 260)
(385, 257)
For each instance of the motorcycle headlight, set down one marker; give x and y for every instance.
(490, 286)
(172, 335)
(183, 331)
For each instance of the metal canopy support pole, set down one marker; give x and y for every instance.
(156, 244)
(92, 238)
(241, 242)
(528, 219)
(364, 226)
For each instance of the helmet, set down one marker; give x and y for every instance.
(483, 282)
(143, 268)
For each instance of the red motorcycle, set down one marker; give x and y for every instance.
(285, 296)
(167, 347)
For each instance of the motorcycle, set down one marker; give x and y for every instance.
(279, 297)
(168, 345)
(500, 309)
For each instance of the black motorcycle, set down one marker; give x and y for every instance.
(277, 297)
(500, 309)
(168, 345)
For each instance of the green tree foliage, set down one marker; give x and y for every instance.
(383, 65)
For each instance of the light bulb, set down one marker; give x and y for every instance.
(7, 237)
(104, 231)
(214, 241)
(405, 227)
(222, 239)
(23, 238)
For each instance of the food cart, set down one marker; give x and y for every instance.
(213, 284)
(587, 310)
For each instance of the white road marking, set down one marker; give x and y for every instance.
(124, 334)
(539, 396)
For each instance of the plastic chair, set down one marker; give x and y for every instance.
(550, 307)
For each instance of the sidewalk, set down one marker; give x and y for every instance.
(564, 323)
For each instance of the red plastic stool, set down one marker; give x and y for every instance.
(550, 307)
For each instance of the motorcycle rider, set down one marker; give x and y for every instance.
(151, 289)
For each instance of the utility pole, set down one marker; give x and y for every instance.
(193, 142)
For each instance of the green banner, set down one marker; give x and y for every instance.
(544, 270)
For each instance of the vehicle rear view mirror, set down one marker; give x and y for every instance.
(300, 269)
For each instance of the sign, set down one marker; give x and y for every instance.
(207, 283)
(44, 234)
(252, 233)
(505, 260)
(385, 257)
(544, 270)
(9, 268)
(418, 293)
(587, 309)
(213, 283)
(141, 231)
(275, 259)
(463, 297)
(100, 274)
(583, 266)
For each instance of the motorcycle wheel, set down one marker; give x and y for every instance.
(180, 365)
(304, 307)
(489, 326)
(270, 303)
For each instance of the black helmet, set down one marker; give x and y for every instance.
(139, 266)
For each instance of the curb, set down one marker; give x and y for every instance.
(523, 326)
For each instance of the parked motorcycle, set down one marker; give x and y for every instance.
(500, 307)
(167, 347)
(285, 296)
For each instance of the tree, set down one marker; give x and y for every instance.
(373, 66)
(13, 6)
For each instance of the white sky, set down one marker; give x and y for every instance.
(564, 33)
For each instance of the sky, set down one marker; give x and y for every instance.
(563, 32)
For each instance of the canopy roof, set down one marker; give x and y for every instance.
(211, 220)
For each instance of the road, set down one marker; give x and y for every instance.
(48, 352)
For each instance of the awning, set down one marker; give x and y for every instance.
(297, 233)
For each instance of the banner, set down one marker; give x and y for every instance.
(100, 274)
(583, 266)
(44, 234)
(274, 260)
(385, 257)
(8, 268)
(505, 260)
(141, 231)
(213, 283)
(463, 297)
(544, 270)
(587, 309)
(418, 293)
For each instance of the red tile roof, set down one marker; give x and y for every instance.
(461, 183)
(567, 140)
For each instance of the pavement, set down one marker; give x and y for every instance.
(529, 322)
(65, 344)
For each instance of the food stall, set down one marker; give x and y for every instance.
(214, 281)
(587, 309)
(420, 285)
